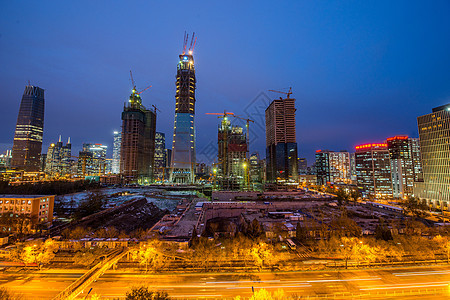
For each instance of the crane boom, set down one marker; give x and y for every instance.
(144, 90)
(286, 93)
(132, 80)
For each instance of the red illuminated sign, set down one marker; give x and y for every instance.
(365, 146)
(398, 137)
(318, 150)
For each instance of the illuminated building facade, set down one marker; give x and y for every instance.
(183, 160)
(27, 147)
(434, 136)
(281, 145)
(58, 159)
(302, 166)
(160, 156)
(406, 166)
(256, 170)
(38, 208)
(232, 152)
(117, 142)
(92, 160)
(333, 167)
(5, 160)
(137, 152)
(373, 170)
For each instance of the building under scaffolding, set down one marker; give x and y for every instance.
(232, 145)
(138, 141)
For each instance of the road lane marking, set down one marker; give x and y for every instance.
(421, 273)
(405, 287)
(243, 281)
(338, 280)
(267, 287)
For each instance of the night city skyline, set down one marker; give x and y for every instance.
(360, 72)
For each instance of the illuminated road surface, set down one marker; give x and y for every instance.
(402, 281)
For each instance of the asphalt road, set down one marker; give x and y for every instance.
(380, 283)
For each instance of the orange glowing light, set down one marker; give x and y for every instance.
(398, 137)
(365, 146)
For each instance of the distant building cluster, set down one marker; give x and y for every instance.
(397, 167)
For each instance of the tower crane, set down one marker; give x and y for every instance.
(191, 45)
(156, 109)
(134, 85)
(288, 93)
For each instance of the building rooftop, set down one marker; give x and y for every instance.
(24, 196)
(442, 107)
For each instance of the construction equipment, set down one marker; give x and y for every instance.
(221, 115)
(192, 44)
(156, 109)
(134, 85)
(286, 93)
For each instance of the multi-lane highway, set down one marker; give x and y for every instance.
(416, 282)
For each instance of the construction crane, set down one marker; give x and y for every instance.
(221, 115)
(286, 93)
(191, 45)
(156, 109)
(134, 85)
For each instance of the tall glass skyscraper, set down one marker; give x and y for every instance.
(26, 152)
(281, 144)
(115, 168)
(183, 161)
(160, 156)
(434, 136)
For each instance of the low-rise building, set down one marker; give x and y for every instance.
(39, 208)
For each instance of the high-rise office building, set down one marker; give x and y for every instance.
(434, 136)
(168, 158)
(183, 160)
(92, 160)
(302, 166)
(5, 160)
(405, 162)
(27, 147)
(256, 175)
(117, 142)
(333, 167)
(160, 156)
(373, 170)
(353, 167)
(137, 152)
(58, 160)
(281, 145)
(414, 144)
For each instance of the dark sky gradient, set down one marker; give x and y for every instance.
(360, 70)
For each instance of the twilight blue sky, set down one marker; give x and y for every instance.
(361, 71)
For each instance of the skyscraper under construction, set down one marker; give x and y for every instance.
(26, 152)
(183, 147)
(232, 146)
(281, 145)
(138, 141)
